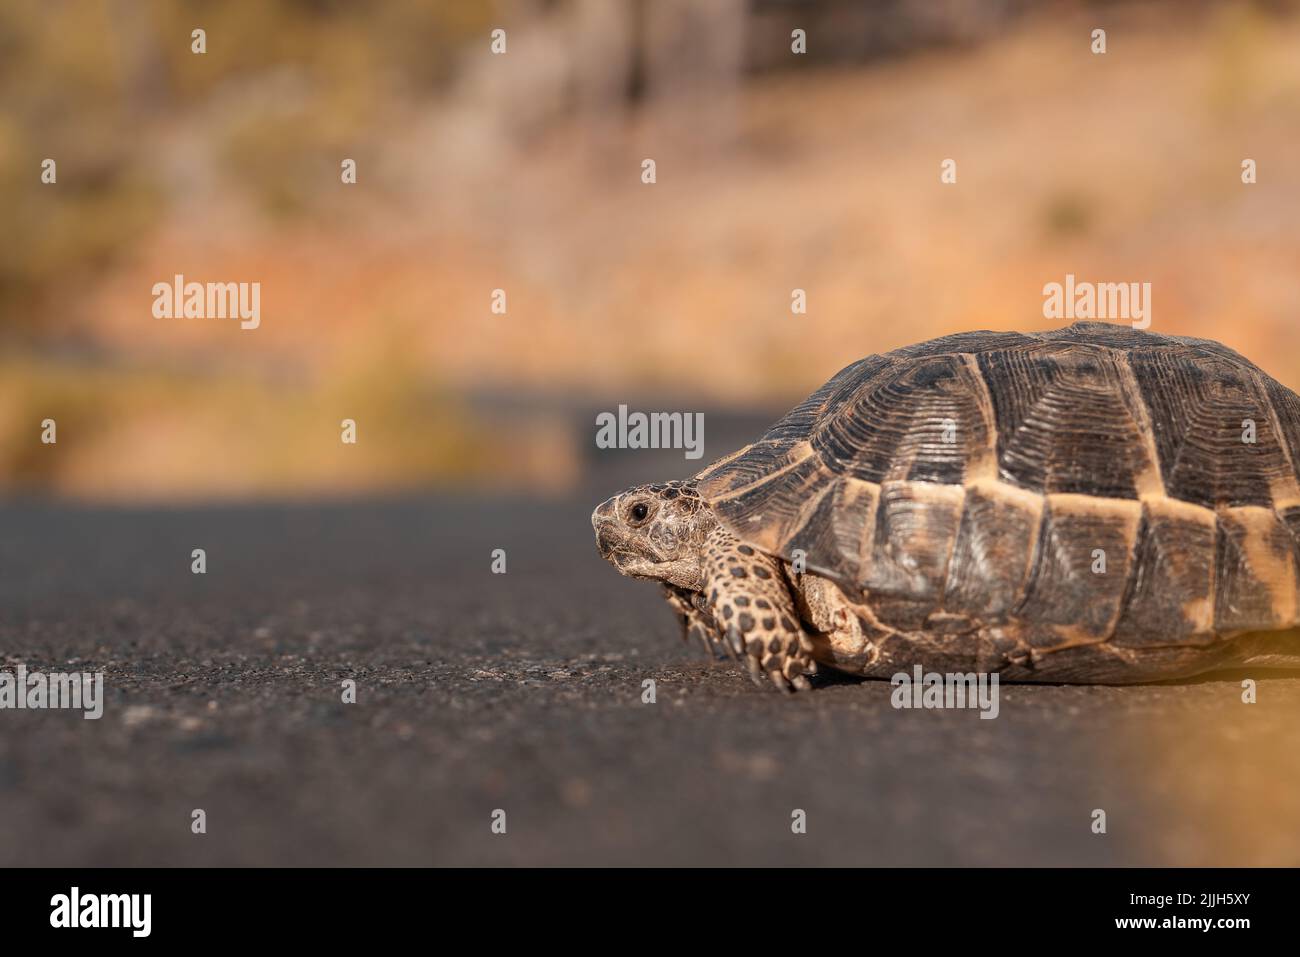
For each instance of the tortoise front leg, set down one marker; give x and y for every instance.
(747, 595)
(696, 621)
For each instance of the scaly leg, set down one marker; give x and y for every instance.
(747, 595)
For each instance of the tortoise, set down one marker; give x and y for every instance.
(1095, 504)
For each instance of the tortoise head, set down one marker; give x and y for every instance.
(655, 531)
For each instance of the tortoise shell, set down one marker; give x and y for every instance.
(1095, 483)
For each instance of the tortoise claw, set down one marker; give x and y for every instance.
(733, 638)
(786, 670)
(779, 681)
(700, 635)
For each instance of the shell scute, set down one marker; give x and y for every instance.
(1063, 422)
(921, 420)
(1213, 428)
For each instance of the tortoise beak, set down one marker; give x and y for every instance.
(605, 511)
(602, 521)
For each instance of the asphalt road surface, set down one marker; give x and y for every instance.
(522, 693)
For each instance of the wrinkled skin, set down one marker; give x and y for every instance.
(731, 596)
(656, 532)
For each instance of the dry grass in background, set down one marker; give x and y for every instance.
(1123, 167)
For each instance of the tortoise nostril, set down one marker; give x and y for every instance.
(604, 512)
(602, 517)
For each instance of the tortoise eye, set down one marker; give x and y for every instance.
(639, 511)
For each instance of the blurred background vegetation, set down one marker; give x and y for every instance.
(522, 172)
